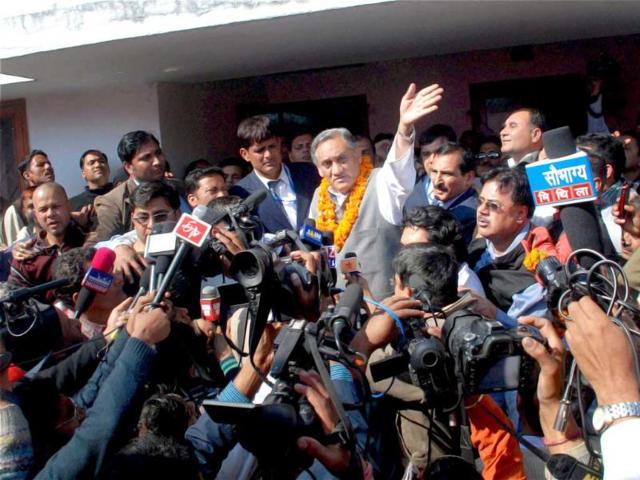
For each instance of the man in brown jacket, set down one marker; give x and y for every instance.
(144, 161)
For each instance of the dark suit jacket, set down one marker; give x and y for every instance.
(418, 197)
(271, 213)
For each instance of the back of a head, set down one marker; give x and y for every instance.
(73, 265)
(153, 457)
(441, 225)
(165, 415)
(430, 269)
(607, 147)
(436, 131)
(131, 142)
(512, 180)
(221, 204)
(256, 129)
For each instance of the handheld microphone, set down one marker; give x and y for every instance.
(21, 294)
(98, 279)
(329, 250)
(349, 264)
(162, 246)
(201, 215)
(210, 304)
(347, 309)
(310, 235)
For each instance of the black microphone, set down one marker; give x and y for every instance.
(580, 222)
(347, 309)
(21, 294)
(243, 208)
(203, 214)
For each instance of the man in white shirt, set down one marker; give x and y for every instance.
(521, 136)
(362, 207)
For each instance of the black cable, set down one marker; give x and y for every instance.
(583, 424)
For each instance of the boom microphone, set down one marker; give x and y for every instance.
(21, 294)
(98, 279)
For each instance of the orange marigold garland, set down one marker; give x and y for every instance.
(327, 211)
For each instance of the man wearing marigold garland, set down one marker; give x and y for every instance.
(362, 206)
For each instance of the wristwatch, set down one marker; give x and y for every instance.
(604, 416)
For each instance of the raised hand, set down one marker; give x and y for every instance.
(418, 104)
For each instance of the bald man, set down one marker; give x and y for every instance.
(58, 234)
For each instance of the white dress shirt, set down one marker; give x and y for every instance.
(620, 450)
(283, 192)
(393, 185)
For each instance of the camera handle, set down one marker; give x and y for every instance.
(311, 343)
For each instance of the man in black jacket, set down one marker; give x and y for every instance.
(290, 186)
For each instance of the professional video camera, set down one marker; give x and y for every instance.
(285, 416)
(29, 329)
(476, 355)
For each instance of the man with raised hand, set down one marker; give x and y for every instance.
(361, 206)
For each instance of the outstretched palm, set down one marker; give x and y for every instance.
(416, 105)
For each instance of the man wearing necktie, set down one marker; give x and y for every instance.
(290, 187)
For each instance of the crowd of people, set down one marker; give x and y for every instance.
(127, 384)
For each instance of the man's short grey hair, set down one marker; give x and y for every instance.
(329, 134)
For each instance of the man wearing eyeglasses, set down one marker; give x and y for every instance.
(152, 202)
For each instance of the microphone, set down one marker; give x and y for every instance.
(347, 309)
(98, 279)
(21, 294)
(580, 223)
(349, 264)
(243, 208)
(310, 235)
(185, 230)
(210, 304)
(161, 247)
(329, 251)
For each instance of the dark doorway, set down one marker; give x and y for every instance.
(560, 98)
(14, 145)
(349, 112)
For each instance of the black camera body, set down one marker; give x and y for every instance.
(489, 357)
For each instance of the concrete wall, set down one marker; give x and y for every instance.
(66, 125)
(384, 83)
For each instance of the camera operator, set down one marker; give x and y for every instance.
(213, 441)
(433, 267)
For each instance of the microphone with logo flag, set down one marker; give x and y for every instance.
(98, 279)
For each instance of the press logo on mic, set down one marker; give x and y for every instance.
(210, 304)
(192, 230)
(311, 235)
(97, 280)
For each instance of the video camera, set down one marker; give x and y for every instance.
(476, 355)
(285, 415)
